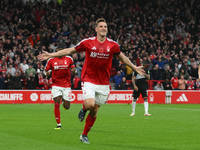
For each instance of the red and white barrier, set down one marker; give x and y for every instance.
(115, 97)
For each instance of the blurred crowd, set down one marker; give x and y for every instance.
(162, 35)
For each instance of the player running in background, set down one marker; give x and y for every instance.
(140, 87)
(61, 79)
(95, 75)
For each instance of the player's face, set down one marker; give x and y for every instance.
(102, 29)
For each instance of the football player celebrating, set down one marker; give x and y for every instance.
(99, 51)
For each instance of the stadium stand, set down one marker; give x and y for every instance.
(147, 31)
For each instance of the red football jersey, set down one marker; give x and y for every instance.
(60, 70)
(98, 59)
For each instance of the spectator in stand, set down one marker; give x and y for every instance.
(46, 83)
(160, 62)
(156, 73)
(122, 67)
(174, 82)
(9, 81)
(39, 81)
(4, 69)
(11, 70)
(79, 69)
(168, 74)
(30, 70)
(184, 74)
(175, 68)
(118, 78)
(197, 84)
(34, 39)
(180, 63)
(31, 82)
(128, 73)
(76, 82)
(190, 83)
(10, 53)
(123, 84)
(159, 86)
(167, 85)
(182, 83)
(50, 83)
(17, 81)
(185, 67)
(49, 78)
(41, 70)
(24, 65)
(194, 71)
(2, 81)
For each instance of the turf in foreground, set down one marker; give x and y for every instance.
(31, 126)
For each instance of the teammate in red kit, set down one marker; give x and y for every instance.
(61, 77)
(95, 74)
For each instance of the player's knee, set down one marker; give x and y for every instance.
(66, 104)
(89, 104)
(135, 99)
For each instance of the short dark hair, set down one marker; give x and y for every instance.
(99, 20)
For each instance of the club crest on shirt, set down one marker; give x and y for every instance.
(108, 49)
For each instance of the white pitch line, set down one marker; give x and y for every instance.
(177, 108)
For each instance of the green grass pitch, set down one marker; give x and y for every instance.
(31, 127)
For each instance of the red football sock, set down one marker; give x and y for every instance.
(57, 112)
(89, 122)
(84, 106)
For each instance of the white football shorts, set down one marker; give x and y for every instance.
(65, 93)
(98, 92)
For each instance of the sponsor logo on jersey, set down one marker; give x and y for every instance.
(99, 55)
(60, 67)
(94, 48)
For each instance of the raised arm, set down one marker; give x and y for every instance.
(127, 62)
(67, 51)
